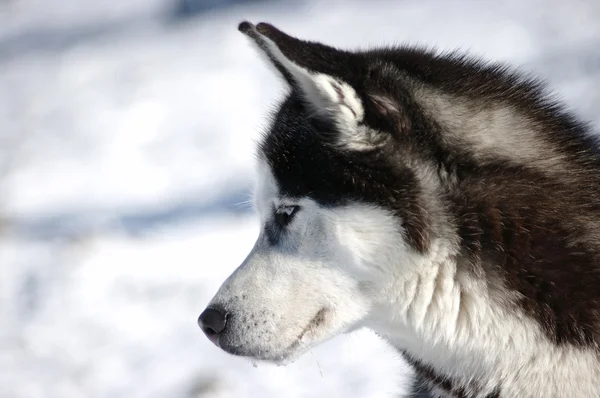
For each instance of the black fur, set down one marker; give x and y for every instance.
(306, 165)
(534, 230)
(527, 235)
(430, 379)
(513, 221)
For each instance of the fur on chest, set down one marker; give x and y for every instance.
(466, 337)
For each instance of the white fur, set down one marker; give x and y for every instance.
(352, 262)
(278, 291)
(329, 97)
(323, 92)
(451, 321)
(491, 130)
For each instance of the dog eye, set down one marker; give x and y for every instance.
(285, 214)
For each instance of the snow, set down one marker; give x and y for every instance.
(126, 150)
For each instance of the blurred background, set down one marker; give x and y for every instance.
(127, 131)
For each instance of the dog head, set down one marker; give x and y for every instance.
(340, 208)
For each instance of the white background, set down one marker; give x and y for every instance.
(126, 150)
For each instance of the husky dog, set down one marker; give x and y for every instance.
(448, 204)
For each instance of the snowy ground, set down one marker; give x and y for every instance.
(125, 155)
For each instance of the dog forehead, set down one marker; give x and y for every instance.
(293, 151)
(303, 162)
(265, 187)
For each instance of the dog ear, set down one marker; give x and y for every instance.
(315, 70)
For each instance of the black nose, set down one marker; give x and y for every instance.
(212, 322)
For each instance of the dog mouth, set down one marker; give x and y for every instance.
(302, 343)
(293, 351)
(313, 325)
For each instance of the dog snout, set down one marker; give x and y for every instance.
(213, 322)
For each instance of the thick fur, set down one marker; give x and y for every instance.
(448, 204)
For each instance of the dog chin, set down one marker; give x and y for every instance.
(276, 357)
(281, 359)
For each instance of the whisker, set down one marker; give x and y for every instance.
(317, 361)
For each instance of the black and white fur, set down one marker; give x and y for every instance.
(448, 204)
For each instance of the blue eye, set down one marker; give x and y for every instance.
(285, 214)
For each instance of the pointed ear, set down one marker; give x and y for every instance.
(316, 71)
